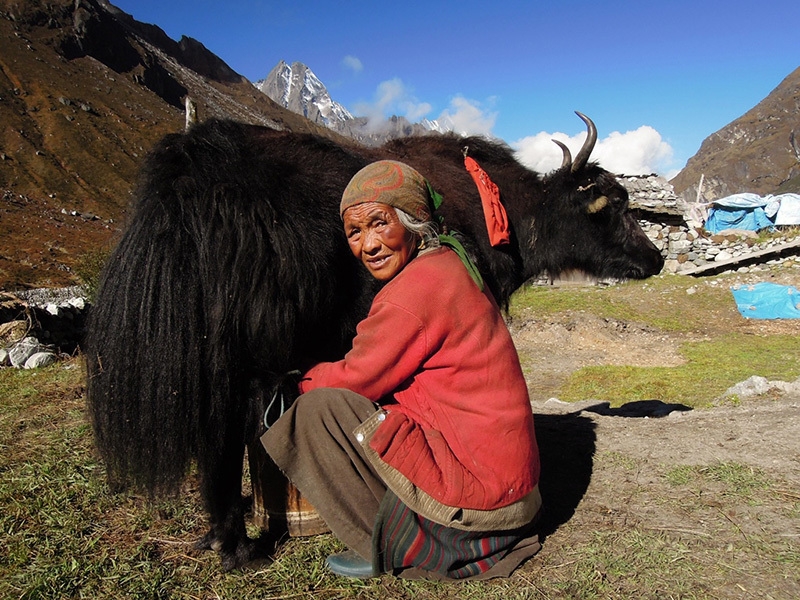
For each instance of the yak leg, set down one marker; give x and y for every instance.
(221, 488)
(221, 473)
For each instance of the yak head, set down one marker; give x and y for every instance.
(585, 223)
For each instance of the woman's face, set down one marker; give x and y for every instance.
(378, 239)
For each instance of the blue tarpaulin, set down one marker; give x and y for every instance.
(753, 212)
(767, 301)
(722, 218)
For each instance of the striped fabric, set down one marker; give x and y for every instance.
(402, 539)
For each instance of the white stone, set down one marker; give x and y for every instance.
(671, 266)
(723, 255)
(40, 359)
(753, 386)
(556, 402)
(680, 246)
(792, 387)
(23, 350)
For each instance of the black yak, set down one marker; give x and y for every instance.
(234, 270)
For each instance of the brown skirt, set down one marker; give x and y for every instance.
(314, 446)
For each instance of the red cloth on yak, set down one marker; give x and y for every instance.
(493, 211)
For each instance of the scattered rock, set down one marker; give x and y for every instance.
(40, 325)
(757, 386)
(12, 332)
(23, 350)
(40, 359)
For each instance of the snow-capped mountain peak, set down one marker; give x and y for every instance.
(297, 88)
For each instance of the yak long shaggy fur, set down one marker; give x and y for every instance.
(234, 270)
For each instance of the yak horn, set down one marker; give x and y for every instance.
(597, 205)
(588, 145)
(567, 161)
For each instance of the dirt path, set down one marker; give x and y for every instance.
(762, 433)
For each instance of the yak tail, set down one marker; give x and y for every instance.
(164, 375)
(168, 381)
(146, 379)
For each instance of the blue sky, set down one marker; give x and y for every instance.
(656, 77)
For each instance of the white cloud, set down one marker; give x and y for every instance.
(393, 98)
(353, 63)
(468, 117)
(638, 152)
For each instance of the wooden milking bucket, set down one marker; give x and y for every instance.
(277, 504)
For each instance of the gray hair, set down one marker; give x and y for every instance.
(426, 231)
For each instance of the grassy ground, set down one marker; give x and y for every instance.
(698, 316)
(64, 534)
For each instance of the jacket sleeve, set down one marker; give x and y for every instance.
(389, 347)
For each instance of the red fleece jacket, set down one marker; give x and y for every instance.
(435, 351)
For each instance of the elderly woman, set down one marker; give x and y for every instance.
(418, 447)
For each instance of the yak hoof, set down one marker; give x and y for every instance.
(246, 554)
(207, 542)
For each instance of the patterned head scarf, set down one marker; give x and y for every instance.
(389, 182)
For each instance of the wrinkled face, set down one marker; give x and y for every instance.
(378, 239)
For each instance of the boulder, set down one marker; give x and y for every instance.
(40, 359)
(23, 350)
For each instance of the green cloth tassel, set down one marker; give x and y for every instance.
(450, 241)
(455, 246)
(436, 197)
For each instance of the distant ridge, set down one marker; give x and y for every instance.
(759, 152)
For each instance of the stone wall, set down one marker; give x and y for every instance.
(38, 327)
(685, 248)
(676, 228)
(652, 193)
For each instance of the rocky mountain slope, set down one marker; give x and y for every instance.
(759, 152)
(85, 92)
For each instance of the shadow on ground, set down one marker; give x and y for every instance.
(566, 448)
